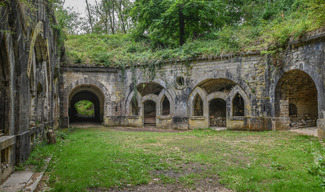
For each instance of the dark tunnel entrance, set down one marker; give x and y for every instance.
(85, 98)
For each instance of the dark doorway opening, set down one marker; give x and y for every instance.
(217, 113)
(149, 113)
(80, 100)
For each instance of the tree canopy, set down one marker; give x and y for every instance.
(189, 27)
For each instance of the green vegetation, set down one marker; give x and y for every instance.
(257, 26)
(85, 108)
(101, 158)
(41, 151)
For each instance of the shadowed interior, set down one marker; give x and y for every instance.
(296, 98)
(84, 95)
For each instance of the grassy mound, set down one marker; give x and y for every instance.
(261, 34)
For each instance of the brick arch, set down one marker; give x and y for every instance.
(161, 96)
(139, 99)
(39, 41)
(85, 84)
(315, 76)
(210, 76)
(203, 95)
(237, 90)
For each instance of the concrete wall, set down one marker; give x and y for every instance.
(29, 58)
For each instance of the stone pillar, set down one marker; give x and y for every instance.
(321, 126)
(283, 122)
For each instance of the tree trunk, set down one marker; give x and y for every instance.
(181, 21)
(121, 16)
(89, 17)
(113, 16)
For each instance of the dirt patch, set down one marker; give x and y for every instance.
(207, 184)
(312, 131)
(43, 186)
(146, 129)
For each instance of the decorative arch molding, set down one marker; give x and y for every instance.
(169, 94)
(161, 96)
(230, 98)
(129, 106)
(151, 97)
(38, 31)
(203, 95)
(68, 92)
(161, 82)
(39, 38)
(195, 83)
(314, 75)
(217, 95)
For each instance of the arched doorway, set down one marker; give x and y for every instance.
(86, 103)
(149, 113)
(85, 106)
(217, 113)
(296, 99)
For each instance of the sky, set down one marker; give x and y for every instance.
(78, 6)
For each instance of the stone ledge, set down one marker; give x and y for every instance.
(165, 117)
(197, 118)
(6, 141)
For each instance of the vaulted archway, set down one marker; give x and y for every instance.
(296, 99)
(89, 93)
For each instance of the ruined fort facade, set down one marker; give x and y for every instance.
(246, 91)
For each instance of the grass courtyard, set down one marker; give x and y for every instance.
(103, 159)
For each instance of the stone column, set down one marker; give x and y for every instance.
(283, 122)
(321, 126)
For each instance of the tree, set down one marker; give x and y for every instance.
(170, 21)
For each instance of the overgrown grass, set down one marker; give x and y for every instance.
(243, 161)
(268, 36)
(85, 108)
(40, 152)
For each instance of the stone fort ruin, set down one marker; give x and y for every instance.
(243, 91)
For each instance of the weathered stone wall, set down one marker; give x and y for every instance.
(29, 86)
(263, 84)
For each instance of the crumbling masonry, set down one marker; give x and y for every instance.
(247, 91)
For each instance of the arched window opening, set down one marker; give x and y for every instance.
(165, 106)
(293, 110)
(217, 113)
(198, 106)
(85, 109)
(134, 107)
(149, 113)
(238, 105)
